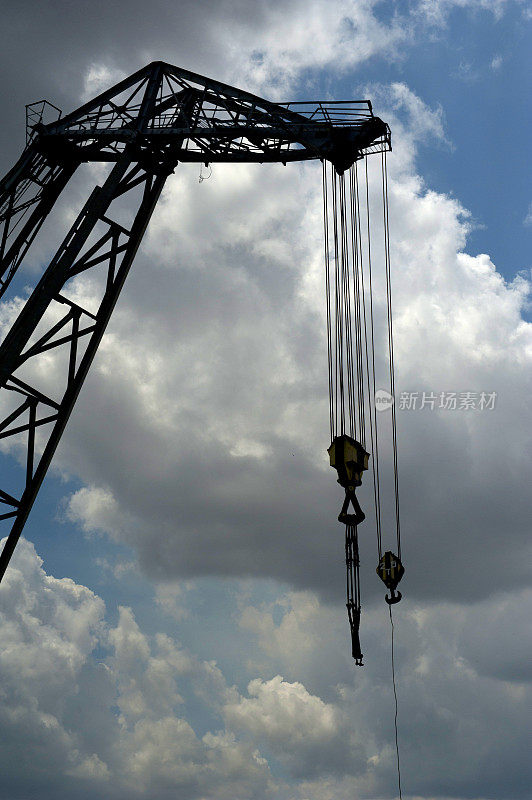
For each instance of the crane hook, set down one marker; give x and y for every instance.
(394, 597)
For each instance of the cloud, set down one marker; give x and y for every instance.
(111, 725)
(436, 12)
(417, 120)
(50, 626)
(99, 706)
(343, 35)
(170, 597)
(466, 72)
(298, 635)
(461, 680)
(95, 509)
(98, 78)
(307, 735)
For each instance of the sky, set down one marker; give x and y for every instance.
(174, 620)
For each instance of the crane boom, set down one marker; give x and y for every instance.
(144, 126)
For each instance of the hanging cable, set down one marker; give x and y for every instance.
(390, 342)
(396, 707)
(347, 321)
(328, 295)
(339, 326)
(370, 369)
(346, 384)
(358, 288)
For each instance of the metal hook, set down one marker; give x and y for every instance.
(395, 597)
(204, 177)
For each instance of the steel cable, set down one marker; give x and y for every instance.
(396, 708)
(328, 296)
(375, 441)
(386, 224)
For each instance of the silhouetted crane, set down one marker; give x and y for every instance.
(144, 126)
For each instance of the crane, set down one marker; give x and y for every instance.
(143, 127)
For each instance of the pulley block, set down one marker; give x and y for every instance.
(390, 571)
(349, 459)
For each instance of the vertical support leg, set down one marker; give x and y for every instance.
(34, 181)
(16, 350)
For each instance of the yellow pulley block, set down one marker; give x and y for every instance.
(390, 571)
(349, 459)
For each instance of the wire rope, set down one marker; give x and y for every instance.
(357, 252)
(396, 707)
(339, 348)
(358, 288)
(386, 224)
(328, 296)
(372, 370)
(347, 316)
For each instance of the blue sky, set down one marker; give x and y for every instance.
(197, 646)
(478, 70)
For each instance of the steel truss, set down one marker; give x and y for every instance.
(144, 126)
